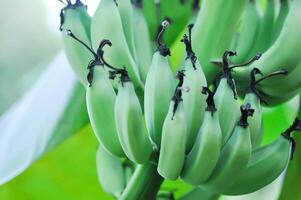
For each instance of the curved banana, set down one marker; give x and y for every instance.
(274, 91)
(284, 9)
(249, 31)
(226, 96)
(75, 17)
(126, 14)
(266, 164)
(282, 86)
(267, 96)
(235, 154)
(226, 103)
(215, 26)
(106, 24)
(255, 123)
(203, 157)
(130, 122)
(173, 143)
(194, 102)
(159, 88)
(266, 28)
(255, 97)
(279, 55)
(110, 172)
(142, 40)
(100, 99)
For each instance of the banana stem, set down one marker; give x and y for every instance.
(144, 184)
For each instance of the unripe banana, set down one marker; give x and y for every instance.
(284, 9)
(266, 164)
(262, 92)
(100, 99)
(249, 31)
(202, 159)
(172, 151)
(254, 97)
(226, 96)
(235, 154)
(159, 88)
(126, 14)
(142, 40)
(255, 122)
(106, 24)
(130, 122)
(110, 172)
(266, 27)
(283, 84)
(194, 102)
(226, 104)
(215, 27)
(272, 60)
(75, 17)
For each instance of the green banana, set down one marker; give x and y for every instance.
(279, 55)
(203, 157)
(266, 28)
(159, 87)
(284, 9)
(194, 80)
(255, 97)
(110, 172)
(225, 103)
(234, 155)
(173, 137)
(75, 17)
(106, 24)
(270, 94)
(255, 122)
(130, 122)
(126, 14)
(282, 86)
(142, 40)
(214, 30)
(266, 164)
(226, 96)
(249, 31)
(100, 98)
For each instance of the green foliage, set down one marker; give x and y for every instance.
(66, 173)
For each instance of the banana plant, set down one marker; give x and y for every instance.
(200, 119)
(174, 141)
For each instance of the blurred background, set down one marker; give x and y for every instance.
(29, 42)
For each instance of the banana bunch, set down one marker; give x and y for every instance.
(271, 61)
(266, 163)
(185, 124)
